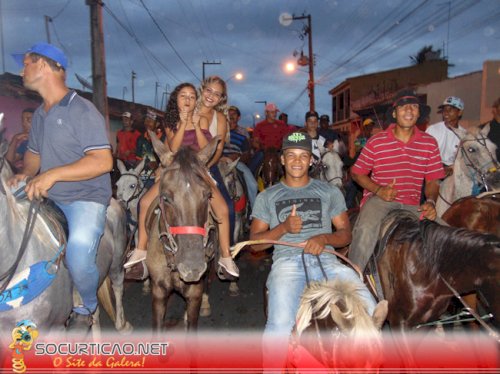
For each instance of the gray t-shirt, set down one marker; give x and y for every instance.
(317, 203)
(62, 136)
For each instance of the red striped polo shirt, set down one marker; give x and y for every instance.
(388, 158)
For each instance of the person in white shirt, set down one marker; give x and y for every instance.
(448, 132)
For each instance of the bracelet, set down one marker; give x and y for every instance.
(431, 201)
(377, 190)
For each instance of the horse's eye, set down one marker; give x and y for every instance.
(165, 198)
(471, 150)
(132, 186)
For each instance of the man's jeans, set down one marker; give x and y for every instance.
(366, 230)
(86, 220)
(250, 181)
(285, 283)
(256, 161)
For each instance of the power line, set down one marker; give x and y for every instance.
(168, 41)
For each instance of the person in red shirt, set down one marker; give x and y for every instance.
(126, 141)
(391, 168)
(268, 133)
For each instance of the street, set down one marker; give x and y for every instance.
(243, 312)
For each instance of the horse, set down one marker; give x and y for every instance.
(418, 258)
(480, 213)
(236, 189)
(271, 170)
(332, 167)
(331, 321)
(182, 237)
(129, 190)
(51, 308)
(475, 168)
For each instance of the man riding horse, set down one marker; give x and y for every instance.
(69, 150)
(296, 210)
(391, 168)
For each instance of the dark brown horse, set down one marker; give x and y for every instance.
(181, 238)
(272, 170)
(418, 256)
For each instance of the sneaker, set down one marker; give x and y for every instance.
(79, 323)
(227, 269)
(137, 256)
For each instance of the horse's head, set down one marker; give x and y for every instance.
(185, 191)
(476, 158)
(271, 167)
(228, 171)
(129, 186)
(334, 326)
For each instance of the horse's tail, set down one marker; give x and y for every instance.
(104, 295)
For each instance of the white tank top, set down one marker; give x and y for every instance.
(213, 125)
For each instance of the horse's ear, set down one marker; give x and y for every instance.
(121, 166)
(205, 154)
(380, 313)
(233, 164)
(161, 149)
(485, 130)
(337, 316)
(140, 166)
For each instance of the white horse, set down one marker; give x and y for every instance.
(51, 306)
(129, 190)
(475, 168)
(332, 171)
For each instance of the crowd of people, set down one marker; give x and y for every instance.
(65, 151)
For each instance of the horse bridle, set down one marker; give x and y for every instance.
(323, 167)
(469, 163)
(167, 236)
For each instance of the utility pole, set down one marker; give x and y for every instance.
(99, 95)
(1, 38)
(133, 88)
(207, 63)
(164, 95)
(285, 21)
(47, 31)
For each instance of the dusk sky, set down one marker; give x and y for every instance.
(165, 42)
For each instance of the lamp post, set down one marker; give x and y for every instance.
(261, 102)
(285, 20)
(237, 76)
(207, 63)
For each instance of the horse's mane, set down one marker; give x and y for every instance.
(190, 166)
(318, 299)
(441, 249)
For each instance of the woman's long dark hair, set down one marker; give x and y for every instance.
(172, 116)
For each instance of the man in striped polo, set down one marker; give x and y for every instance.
(391, 169)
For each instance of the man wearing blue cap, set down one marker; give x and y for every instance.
(68, 160)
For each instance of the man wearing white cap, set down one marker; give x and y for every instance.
(448, 132)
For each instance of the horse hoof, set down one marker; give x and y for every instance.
(205, 312)
(234, 289)
(127, 329)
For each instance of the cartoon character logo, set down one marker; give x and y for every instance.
(23, 336)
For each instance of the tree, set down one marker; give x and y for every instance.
(426, 53)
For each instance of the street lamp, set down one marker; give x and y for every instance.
(285, 19)
(237, 76)
(207, 63)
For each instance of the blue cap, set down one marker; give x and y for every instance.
(46, 50)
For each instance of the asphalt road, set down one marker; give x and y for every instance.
(242, 312)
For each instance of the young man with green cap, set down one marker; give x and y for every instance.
(299, 209)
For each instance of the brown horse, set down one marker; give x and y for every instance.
(476, 213)
(181, 238)
(334, 327)
(419, 256)
(272, 170)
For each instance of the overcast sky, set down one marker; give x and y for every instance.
(350, 38)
